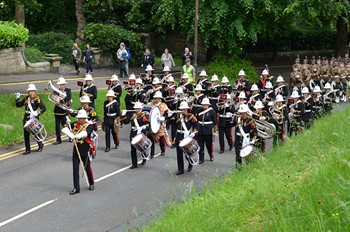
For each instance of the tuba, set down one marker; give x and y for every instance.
(265, 129)
(57, 97)
(276, 114)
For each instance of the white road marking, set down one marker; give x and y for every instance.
(118, 171)
(26, 212)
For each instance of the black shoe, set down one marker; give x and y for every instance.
(201, 161)
(26, 152)
(116, 146)
(173, 146)
(212, 158)
(220, 152)
(231, 147)
(143, 162)
(179, 173)
(133, 166)
(92, 187)
(70, 140)
(107, 149)
(74, 191)
(57, 142)
(163, 153)
(41, 146)
(190, 166)
(152, 156)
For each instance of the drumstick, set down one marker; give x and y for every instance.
(81, 162)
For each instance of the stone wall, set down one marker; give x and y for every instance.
(11, 61)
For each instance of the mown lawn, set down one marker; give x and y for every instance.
(11, 115)
(303, 185)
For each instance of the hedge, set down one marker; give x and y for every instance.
(12, 34)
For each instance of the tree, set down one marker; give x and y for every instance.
(80, 19)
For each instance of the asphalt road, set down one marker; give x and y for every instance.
(35, 188)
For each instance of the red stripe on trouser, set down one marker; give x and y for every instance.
(264, 146)
(117, 138)
(231, 140)
(282, 135)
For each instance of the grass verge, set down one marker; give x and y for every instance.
(300, 186)
(14, 116)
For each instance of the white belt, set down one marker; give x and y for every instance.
(213, 98)
(239, 134)
(181, 131)
(307, 111)
(222, 115)
(205, 123)
(197, 105)
(111, 115)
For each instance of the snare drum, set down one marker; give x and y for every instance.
(191, 148)
(141, 143)
(33, 126)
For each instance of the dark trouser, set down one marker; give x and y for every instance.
(225, 131)
(108, 130)
(208, 140)
(88, 169)
(59, 120)
(133, 155)
(162, 144)
(89, 66)
(173, 132)
(278, 138)
(122, 69)
(76, 64)
(261, 145)
(180, 158)
(238, 147)
(27, 140)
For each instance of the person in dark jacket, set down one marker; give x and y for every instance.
(111, 114)
(88, 58)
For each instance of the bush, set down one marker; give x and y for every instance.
(34, 55)
(12, 34)
(108, 38)
(51, 42)
(230, 66)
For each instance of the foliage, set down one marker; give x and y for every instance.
(34, 55)
(108, 38)
(12, 34)
(230, 66)
(300, 186)
(51, 42)
(14, 115)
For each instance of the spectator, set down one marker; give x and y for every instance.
(147, 59)
(76, 55)
(167, 59)
(190, 70)
(88, 58)
(122, 55)
(186, 55)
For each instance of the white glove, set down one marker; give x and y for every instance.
(229, 115)
(139, 131)
(34, 114)
(67, 132)
(192, 135)
(252, 142)
(161, 119)
(18, 95)
(81, 135)
(186, 134)
(144, 127)
(141, 65)
(170, 113)
(71, 110)
(124, 112)
(263, 118)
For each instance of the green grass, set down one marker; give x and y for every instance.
(303, 185)
(13, 116)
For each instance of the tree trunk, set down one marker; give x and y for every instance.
(80, 19)
(19, 14)
(342, 36)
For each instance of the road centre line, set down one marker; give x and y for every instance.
(26, 212)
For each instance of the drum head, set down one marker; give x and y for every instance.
(185, 141)
(246, 151)
(30, 121)
(136, 139)
(154, 119)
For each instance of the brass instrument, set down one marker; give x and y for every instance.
(265, 129)
(276, 114)
(57, 97)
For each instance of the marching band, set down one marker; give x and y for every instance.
(194, 113)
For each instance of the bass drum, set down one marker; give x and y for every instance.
(143, 145)
(191, 148)
(154, 119)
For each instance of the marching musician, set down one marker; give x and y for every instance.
(185, 84)
(184, 121)
(318, 104)
(202, 79)
(308, 102)
(116, 87)
(226, 111)
(166, 74)
(89, 90)
(269, 95)
(130, 96)
(81, 133)
(254, 96)
(111, 114)
(169, 96)
(139, 123)
(262, 115)
(198, 98)
(160, 135)
(245, 125)
(156, 87)
(280, 117)
(280, 87)
(242, 99)
(61, 114)
(296, 114)
(33, 107)
(225, 87)
(149, 75)
(207, 120)
(328, 98)
(214, 92)
(242, 84)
